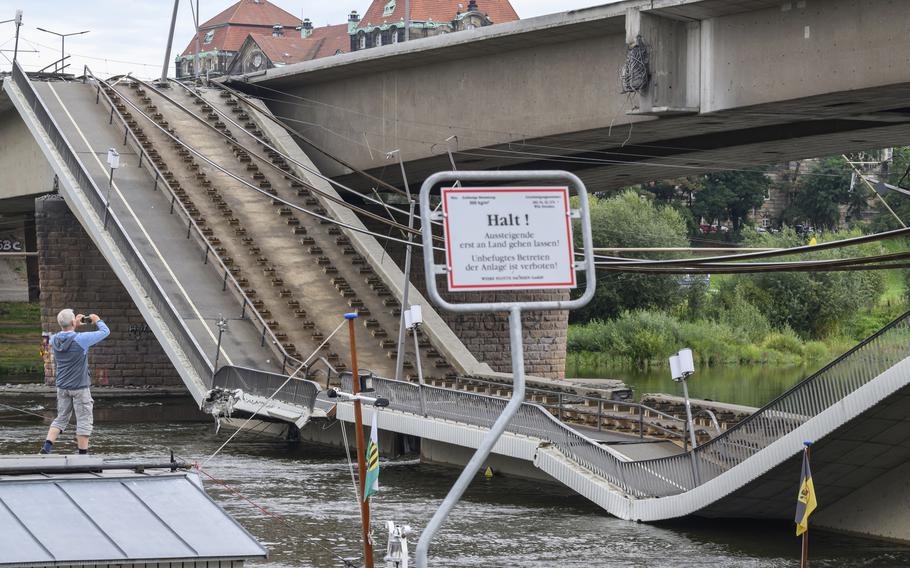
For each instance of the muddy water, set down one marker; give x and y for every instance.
(501, 523)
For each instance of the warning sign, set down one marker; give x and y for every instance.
(508, 238)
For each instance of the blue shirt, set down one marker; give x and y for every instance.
(71, 355)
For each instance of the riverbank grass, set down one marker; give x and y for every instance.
(20, 338)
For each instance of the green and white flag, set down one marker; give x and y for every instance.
(371, 483)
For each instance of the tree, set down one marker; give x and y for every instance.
(731, 195)
(814, 304)
(630, 220)
(820, 195)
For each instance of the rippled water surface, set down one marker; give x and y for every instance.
(503, 522)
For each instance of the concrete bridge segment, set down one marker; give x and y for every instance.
(734, 85)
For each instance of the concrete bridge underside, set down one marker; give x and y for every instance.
(734, 85)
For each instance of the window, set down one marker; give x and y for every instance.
(389, 9)
(377, 41)
(363, 40)
(394, 35)
(209, 36)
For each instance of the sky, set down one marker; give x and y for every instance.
(131, 36)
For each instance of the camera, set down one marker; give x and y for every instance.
(86, 320)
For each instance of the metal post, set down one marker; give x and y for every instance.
(641, 422)
(486, 445)
(222, 324)
(170, 41)
(691, 428)
(107, 205)
(423, 396)
(198, 47)
(407, 20)
(361, 445)
(399, 359)
(600, 416)
(18, 25)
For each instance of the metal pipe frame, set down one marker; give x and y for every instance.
(513, 308)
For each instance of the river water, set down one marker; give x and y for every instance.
(503, 522)
(751, 385)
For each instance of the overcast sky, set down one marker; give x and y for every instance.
(129, 35)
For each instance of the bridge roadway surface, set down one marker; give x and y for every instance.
(857, 409)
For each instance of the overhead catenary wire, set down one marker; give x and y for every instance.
(308, 185)
(516, 136)
(309, 142)
(274, 394)
(601, 264)
(262, 192)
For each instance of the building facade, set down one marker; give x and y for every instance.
(220, 38)
(385, 21)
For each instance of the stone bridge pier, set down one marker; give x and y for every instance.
(73, 274)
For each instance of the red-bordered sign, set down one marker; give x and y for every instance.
(508, 238)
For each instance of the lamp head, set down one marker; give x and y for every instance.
(675, 372)
(686, 362)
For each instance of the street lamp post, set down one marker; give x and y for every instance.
(18, 20)
(62, 43)
(682, 366)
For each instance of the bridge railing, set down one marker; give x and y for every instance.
(229, 283)
(170, 317)
(675, 474)
(843, 376)
(299, 392)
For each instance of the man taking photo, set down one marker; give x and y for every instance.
(73, 394)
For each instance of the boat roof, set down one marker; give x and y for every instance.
(103, 515)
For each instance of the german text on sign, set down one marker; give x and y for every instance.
(508, 238)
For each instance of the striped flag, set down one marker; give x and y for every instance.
(805, 500)
(371, 482)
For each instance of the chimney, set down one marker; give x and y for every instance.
(307, 29)
(472, 6)
(277, 30)
(353, 21)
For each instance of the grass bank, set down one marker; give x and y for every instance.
(644, 339)
(20, 338)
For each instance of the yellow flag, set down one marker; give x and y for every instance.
(813, 241)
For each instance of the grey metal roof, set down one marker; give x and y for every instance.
(115, 516)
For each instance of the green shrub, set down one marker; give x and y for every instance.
(785, 341)
(815, 351)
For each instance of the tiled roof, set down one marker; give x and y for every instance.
(287, 50)
(253, 12)
(246, 17)
(499, 11)
(334, 39)
(228, 38)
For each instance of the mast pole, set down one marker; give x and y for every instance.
(170, 42)
(361, 445)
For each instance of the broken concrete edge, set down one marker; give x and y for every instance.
(79, 205)
(441, 335)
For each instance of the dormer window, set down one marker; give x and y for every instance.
(363, 40)
(377, 41)
(389, 9)
(394, 35)
(209, 36)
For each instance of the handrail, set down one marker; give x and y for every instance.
(675, 474)
(805, 400)
(298, 391)
(207, 246)
(186, 341)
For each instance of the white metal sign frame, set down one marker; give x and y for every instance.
(514, 308)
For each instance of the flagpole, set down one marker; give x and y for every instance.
(805, 558)
(361, 446)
